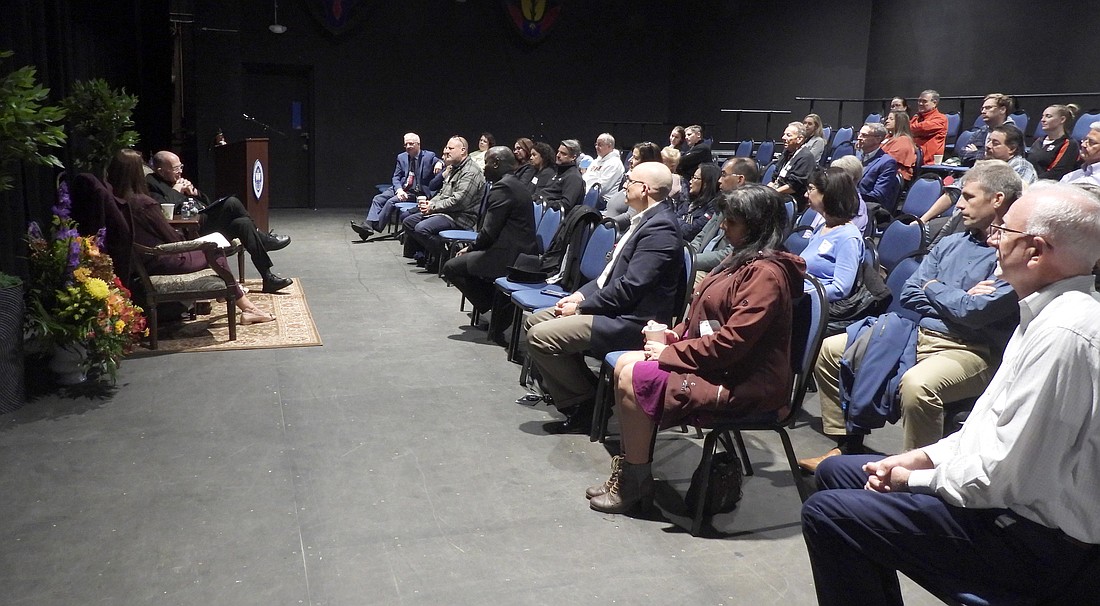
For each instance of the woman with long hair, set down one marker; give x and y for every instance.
(815, 135)
(730, 355)
(676, 138)
(834, 252)
(522, 151)
(150, 228)
(702, 190)
(1056, 155)
(899, 142)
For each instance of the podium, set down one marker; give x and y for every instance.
(241, 169)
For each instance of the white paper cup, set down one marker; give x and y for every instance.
(421, 199)
(937, 158)
(655, 332)
(168, 210)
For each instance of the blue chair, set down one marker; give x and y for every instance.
(1082, 126)
(809, 319)
(922, 195)
(827, 133)
(765, 153)
(844, 149)
(895, 281)
(592, 197)
(769, 174)
(789, 207)
(538, 211)
(953, 123)
(744, 149)
(963, 140)
(873, 118)
(798, 239)
(545, 233)
(1021, 120)
(455, 238)
(843, 135)
(900, 240)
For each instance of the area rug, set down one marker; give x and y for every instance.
(293, 325)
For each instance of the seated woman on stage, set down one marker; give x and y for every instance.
(834, 252)
(150, 228)
(731, 354)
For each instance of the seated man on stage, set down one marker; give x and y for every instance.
(1003, 510)
(412, 177)
(227, 216)
(454, 207)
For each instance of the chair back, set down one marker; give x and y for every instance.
(954, 120)
(744, 149)
(827, 133)
(844, 149)
(900, 240)
(978, 121)
(895, 281)
(843, 135)
(807, 218)
(765, 153)
(922, 195)
(1082, 126)
(684, 291)
(592, 198)
(1021, 120)
(594, 258)
(548, 226)
(539, 209)
(789, 207)
(963, 140)
(809, 317)
(798, 239)
(873, 118)
(769, 173)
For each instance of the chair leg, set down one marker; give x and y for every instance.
(231, 314)
(796, 474)
(603, 404)
(240, 265)
(744, 452)
(513, 346)
(525, 371)
(154, 328)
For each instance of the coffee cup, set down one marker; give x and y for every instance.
(168, 210)
(655, 332)
(421, 199)
(937, 158)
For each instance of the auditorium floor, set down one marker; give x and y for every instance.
(390, 466)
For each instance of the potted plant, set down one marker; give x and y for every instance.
(99, 124)
(75, 302)
(27, 127)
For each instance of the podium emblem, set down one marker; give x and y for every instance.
(257, 179)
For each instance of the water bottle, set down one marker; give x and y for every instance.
(187, 210)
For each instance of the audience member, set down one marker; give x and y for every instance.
(1090, 159)
(900, 104)
(880, 183)
(1055, 155)
(899, 143)
(542, 159)
(854, 168)
(711, 245)
(796, 164)
(676, 139)
(996, 110)
(639, 284)
(484, 142)
(731, 355)
(150, 228)
(815, 135)
(929, 126)
(454, 207)
(1006, 142)
(697, 153)
(227, 216)
(1007, 505)
(699, 208)
(412, 177)
(835, 251)
(966, 315)
(566, 188)
(507, 230)
(525, 171)
(607, 169)
(617, 209)
(670, 157)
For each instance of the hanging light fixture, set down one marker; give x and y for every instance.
(277, 28)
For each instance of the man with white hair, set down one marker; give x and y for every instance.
(607, 169)
(412, 177)
(879, 183)
(1004, 509)
(1090, 159)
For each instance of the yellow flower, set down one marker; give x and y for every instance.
(97, 288)
(81, 273)
(120, 326)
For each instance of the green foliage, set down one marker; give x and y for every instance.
(8, 280)
(99, 123)
(27, 129)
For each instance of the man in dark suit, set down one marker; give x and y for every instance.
(640, 283)
(698, 153)
(412, 177)
(227, 216)
(507, 230)
(880, 183)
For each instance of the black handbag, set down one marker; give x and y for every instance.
(724, 488)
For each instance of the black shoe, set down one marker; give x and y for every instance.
(578, 420)
(431, 267)
(361, 229)
(273, 241)
(273, 283)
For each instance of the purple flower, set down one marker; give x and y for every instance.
(34, 231)
(74, 256)
(100, 237)
(64, 202)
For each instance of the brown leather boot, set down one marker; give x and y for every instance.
(632, 486)
(598, 489)
(810, 465)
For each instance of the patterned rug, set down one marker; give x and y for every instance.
(293, 325)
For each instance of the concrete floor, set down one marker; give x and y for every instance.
(390, 466)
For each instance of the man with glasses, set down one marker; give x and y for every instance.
(996, 110)
(1090, 159)
(1004, 510)
(929, 126)
(607, 169)
(639, 283)
(796, 164)
(966, 314)
(879, 183)
(227, 216)
(710, 245)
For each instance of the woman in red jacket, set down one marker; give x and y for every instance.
(731, 354)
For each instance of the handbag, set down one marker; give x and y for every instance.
(724, 488)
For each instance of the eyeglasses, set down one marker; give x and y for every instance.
(999, 229)
(695, 178)
(630, 181)
(176, 169)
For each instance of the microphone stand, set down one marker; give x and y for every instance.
(266, 127)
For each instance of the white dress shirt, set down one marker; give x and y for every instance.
(635, 221)
(1032, 442)
(607, 171)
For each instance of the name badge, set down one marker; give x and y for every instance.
(707, 327)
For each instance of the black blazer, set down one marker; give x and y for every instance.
(692, 158)
(643, 285)
(507, 230)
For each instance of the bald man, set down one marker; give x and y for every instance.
(641, 282)
(227, 216)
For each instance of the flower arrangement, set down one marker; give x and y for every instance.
(74, 297)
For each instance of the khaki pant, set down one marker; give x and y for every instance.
(946, 371)
(557, 346)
